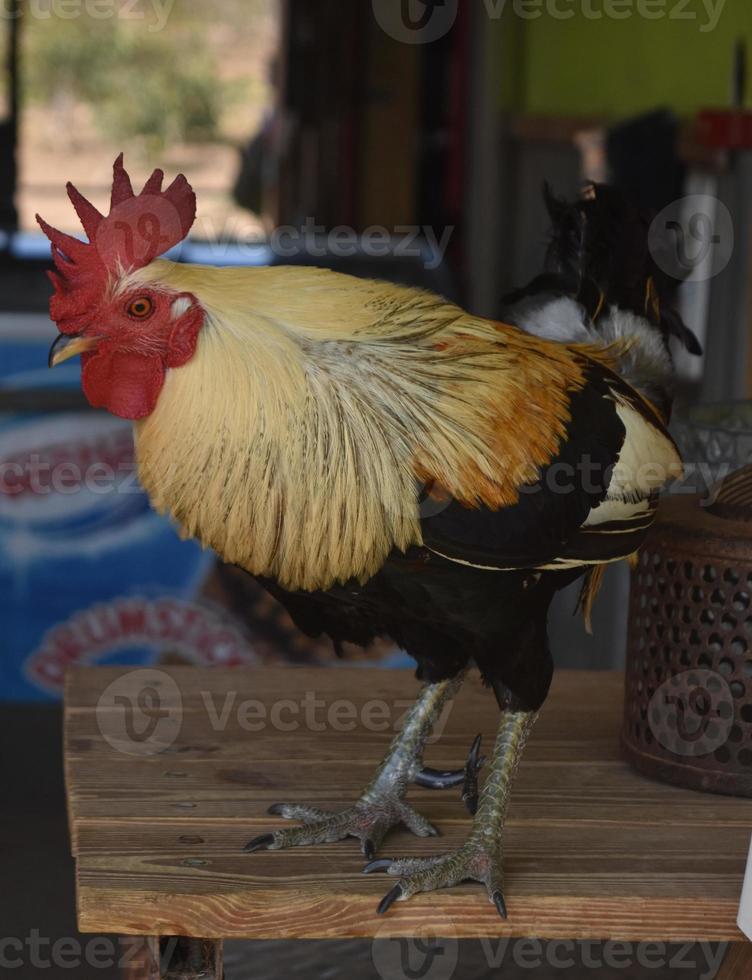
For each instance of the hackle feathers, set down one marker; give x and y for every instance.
(294, 443)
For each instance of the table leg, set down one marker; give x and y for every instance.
(172, 958)
(139, 958)
(738, 963)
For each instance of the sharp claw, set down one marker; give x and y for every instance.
(446, 778)
(439, 778)
(369, 850)
(498, 899)
(470, 799)
(388, 900)
(263, 841)
(382, 864)
(276, 809)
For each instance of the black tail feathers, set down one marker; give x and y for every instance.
(600, 253)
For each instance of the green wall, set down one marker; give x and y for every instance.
(619, 67)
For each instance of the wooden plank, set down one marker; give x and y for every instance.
(89, 749)
(576, 865)
(580, 695)
(84, 685)
(593, 850)
(313, 912)
(602, 792)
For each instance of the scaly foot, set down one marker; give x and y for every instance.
(471, 862)
(382, 804)
(381, 808)
(479, 858)
(370, 819)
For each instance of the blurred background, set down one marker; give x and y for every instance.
(400, 139)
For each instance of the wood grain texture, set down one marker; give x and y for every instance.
(592, 850)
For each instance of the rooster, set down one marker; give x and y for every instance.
(387, 464)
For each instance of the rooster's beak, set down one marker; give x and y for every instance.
(65, 347)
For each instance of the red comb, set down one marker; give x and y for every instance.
(138, 228)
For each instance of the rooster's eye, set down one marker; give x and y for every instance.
(140, 308)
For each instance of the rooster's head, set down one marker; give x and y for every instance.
(127, 332)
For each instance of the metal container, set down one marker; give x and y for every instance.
(688, 708)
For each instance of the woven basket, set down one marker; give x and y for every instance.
(688, 709)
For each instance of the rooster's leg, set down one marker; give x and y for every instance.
(382, 804)
(480, 857)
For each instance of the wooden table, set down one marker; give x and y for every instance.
(170, 772)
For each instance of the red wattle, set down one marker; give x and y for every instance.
(125, 383)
